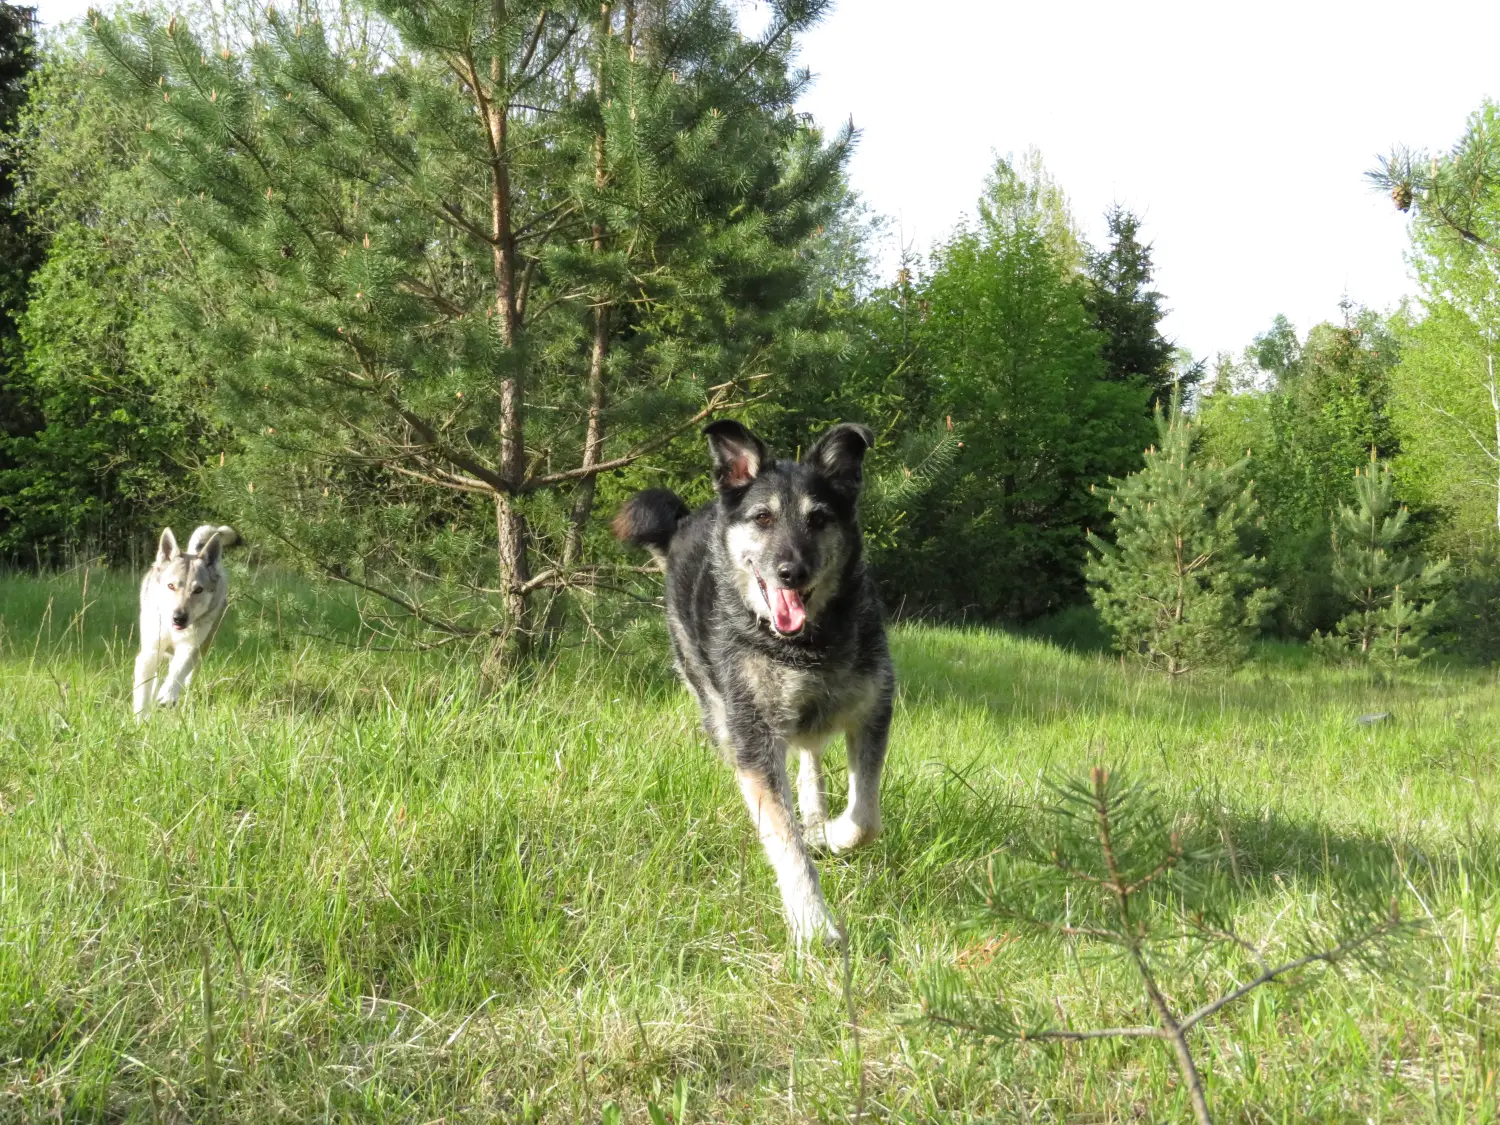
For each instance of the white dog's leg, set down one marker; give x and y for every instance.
(146, 665)
(184, 661)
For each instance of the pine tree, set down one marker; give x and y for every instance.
(1450, 195)
(1392, 594)
(454, 272)
(1108, 867)
(1128, 312)
(1177, 586)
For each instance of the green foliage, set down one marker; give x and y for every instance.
(1445, 395)
(122, 432)
(19, 247)
(1391, 593)
(1455, 197)
(1305, 413)
(445, 275)
(119, 398)
(998, 342)
(20, 250)
(1176, 585)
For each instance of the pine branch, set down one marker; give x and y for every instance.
(1326, 956)
(1116, 817)
(718, 403)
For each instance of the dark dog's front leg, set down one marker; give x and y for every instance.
(860, 821)
(760, 765)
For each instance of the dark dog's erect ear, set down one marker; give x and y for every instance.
(167, 548)
(840, 453)
(738, 454)
(213, 547)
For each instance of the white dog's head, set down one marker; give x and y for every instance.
(188, 580)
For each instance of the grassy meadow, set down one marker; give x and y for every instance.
(345, 882)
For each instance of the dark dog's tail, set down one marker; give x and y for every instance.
(649, 519)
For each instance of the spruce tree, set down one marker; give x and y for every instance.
(1127, 311)
(1391, 593)
(1176, 585)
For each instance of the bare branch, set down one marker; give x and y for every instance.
(717, 403)
(340, 575)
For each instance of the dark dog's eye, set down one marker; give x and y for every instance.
(764, 519)
(197, 589)
(171, 585)
(816, 518)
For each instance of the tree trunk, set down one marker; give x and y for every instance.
(512, 549)
(593, 441)
(514, 642)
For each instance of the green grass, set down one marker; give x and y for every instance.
(347, 884)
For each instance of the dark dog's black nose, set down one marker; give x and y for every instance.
(793, 574)
(179, 618)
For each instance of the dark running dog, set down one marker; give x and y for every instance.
(777, 630)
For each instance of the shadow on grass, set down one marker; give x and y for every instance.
(941, 828)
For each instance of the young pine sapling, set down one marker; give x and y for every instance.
(1115, 875)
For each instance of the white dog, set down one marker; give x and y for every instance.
(183, 598)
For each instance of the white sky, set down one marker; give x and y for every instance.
(1240, 132)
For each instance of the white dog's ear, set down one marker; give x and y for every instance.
(212, 549)
(166, 550)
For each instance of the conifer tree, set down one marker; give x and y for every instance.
(1128, 311)
(456, 271)
(1176, 585)
(1391, 593)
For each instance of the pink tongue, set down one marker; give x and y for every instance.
(787, 613)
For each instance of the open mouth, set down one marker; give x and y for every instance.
(788, 614)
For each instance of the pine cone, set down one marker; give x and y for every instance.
(1401, 195)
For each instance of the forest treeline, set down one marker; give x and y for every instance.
(415, 293)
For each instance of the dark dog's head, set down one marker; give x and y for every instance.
(789, 527)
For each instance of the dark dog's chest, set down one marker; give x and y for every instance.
(802, 700)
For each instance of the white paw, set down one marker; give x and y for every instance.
(168, 698)
(813, 922)
(844, 834)
(815, 836)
